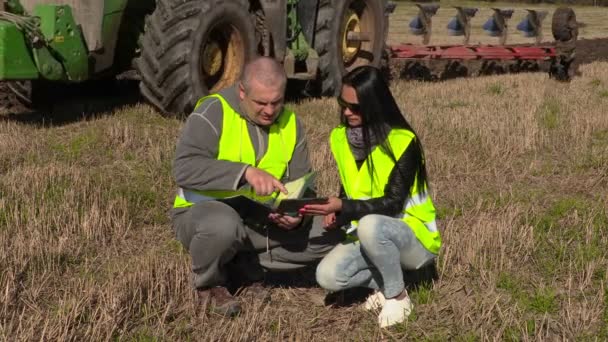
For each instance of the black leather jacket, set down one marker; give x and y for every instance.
(396, 192)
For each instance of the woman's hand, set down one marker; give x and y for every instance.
(333, 205)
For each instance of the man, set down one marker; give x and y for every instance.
(242, 136)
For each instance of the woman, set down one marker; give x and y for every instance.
(388, 212)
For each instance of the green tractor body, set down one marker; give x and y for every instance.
(185, 49)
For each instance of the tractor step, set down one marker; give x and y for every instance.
(312, 64)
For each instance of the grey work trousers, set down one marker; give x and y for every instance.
(214, 233)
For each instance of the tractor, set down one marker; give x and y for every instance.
(182, 50)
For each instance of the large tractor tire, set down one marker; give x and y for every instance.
(564, 26)
(338, 55)
(191, 48)
(565, 31)
(16, 96)
(23, 91)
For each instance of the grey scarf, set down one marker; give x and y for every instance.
(356, 143)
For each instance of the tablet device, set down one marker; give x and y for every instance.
(294, 205)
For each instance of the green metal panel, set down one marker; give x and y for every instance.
(14, 6)
(114, 6)
(112, 16)
(298, 45)
(111, 25)
(48, 66)
(16, 63)
(64, 37)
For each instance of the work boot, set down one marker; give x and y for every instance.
(256, 291)
(246, 275)
(219, 301)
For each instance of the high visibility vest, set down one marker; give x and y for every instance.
(418, 211)
(235, 145)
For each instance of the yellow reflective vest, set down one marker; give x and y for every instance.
(418, 211)
(235, 145)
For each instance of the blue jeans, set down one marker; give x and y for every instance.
(385, 245)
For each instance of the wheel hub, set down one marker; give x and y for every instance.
(350, 48)
(212, 58)
(222, 56)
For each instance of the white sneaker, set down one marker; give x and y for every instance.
(395, 311)
(375, 301)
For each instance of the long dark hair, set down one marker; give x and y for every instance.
(380, 113)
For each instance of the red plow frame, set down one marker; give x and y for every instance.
(472, 52)
(440, 62)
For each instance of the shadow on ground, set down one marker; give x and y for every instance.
(65, 104)
(413, 280)
(305, 278)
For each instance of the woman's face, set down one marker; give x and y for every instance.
(349, 105)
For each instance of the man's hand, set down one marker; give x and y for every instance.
(263, 182)
(333, 205)
(329, 221)
(284, 221)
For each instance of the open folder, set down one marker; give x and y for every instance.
(257, 208)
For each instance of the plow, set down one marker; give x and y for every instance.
(440, 62)
(430, 63)
(181, 50)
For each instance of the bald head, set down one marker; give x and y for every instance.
(264, 70)
(262, 90)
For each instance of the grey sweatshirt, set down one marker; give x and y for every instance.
(196, 167)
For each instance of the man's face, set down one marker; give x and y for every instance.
(261, 103)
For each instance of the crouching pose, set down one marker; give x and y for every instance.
(387, 207)
(243, 141)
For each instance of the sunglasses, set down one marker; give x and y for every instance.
(354, 107)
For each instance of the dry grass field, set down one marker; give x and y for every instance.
(519, 174)
(519, 169)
